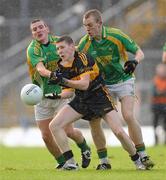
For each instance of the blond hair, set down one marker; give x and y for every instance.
(95, 13)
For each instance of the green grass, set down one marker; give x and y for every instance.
(37, 164)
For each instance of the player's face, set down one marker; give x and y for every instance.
(92, 27)
(65, 50)
(40, 31)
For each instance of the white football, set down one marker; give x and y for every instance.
(31, 94)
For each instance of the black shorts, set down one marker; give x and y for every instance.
(95, 106)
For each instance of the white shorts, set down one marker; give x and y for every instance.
(47, 108)
(126, 88)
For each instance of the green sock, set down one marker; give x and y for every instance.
(102, 153)
(60, 159)
(140, 147)
(83, 146)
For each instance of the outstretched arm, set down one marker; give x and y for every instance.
(139, 56)
(81, 84)
(42, 70)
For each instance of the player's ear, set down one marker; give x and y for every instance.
(48, 29)
(100, 23)
(73, 46)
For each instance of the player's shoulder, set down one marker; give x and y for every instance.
(53, 38)
(117, 34)
(33, 45)
(113, 31)
(81, 57)
(85, 58)
(84, 39)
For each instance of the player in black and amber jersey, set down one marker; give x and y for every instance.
(80, 73)
(85, 99)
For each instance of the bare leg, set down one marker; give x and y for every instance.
(100, 143)
(127, 107)
(48, 138)
(98, 134)
(114, 123)
(65, 116)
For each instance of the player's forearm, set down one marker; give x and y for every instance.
(139, 56)
(78, 84)
(65, 94)
(42, 70)
(45, 73)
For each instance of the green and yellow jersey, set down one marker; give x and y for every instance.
(37, 52)
(110, 53)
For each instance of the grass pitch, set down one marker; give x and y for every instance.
(37, 164)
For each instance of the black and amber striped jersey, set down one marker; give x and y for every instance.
(81, 65)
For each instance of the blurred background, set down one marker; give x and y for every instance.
(143, 20)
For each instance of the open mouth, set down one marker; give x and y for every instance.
(62, 56)
(90, 33)
(39, 35)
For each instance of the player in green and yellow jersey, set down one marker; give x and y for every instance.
(109, 47)
(42, 60)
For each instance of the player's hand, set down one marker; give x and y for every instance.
(56, 77)
(52, 96)
(129, 66)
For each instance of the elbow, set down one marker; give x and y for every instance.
(139, 55)
(142, 55)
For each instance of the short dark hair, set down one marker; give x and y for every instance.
(38, 20)
(66, 38)
(35, 20)
(95, 13)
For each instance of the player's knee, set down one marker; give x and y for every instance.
(69, 132)
(53, 126)
(128, 116)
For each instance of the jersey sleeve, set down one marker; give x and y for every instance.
(34, 55)
(87, 64)
(129, 44)
(90, 68)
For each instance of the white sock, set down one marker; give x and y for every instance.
(104, 160)
(70, 161)
(142, 154)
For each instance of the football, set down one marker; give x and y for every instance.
(31, 94)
